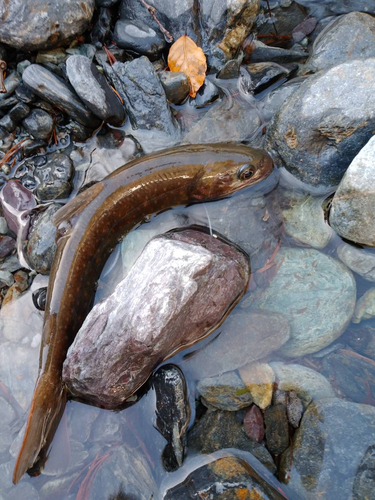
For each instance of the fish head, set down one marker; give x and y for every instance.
(222, 178)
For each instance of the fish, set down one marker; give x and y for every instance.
(88, 229)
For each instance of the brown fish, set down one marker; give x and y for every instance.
(89, 227)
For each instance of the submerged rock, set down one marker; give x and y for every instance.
(225, 392)
(277, 430)
(365, 306)
(353, 205)
(315, 144)
(361, 261)
(259, 379)
(139, 38)
(41, 24)
(54, 176)
(176, 86)
(190, 279)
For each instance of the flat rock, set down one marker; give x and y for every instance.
(245, 337)
(41, 24)
(225, 392)
(315, 145)
(190, 287)
(94, 91)
(54, 90)
(136, 36)
(359, 260)
(350, 37)
(331, 452)
(352, 211)
(315, 292)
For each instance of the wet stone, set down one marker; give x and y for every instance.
(176, 86)
(41, 240)
(264, 53)
(206, 95)
(6, 279)
(54, 177)
(294, 409)
(259, 379)
(11, 82)
(231, 69)
(7, 245)
(277, 430)
(217, 430)
(19, 112)
(7, 123)
(253, 424)
(3, 226)
(39, 124)
(54, 90)
(225, 392)
(265, 74)
(102, 28)
(331, 450)
(94, 91)
(40, 24)
(361, 261)
(25, 94)
(137, 37)
(365, 306)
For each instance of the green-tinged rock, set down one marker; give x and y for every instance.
(225, 392)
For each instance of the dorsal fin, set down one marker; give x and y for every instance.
(75, 206)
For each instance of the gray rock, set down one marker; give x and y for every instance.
(207, 94)
(54, 90)
(6, 279)
(93, 89)
(315, 293)
(245, 337)
(365, 306)
(39, 124)
(41, 240)
(25, 94)
(352, 211)
(55, 56)
(11, 82)
(225, 392)
(330, 450)
(7, 245)
(277, 430)
(264, 74)
(102, 28)
(359, 260)
(139, 38)
(325, 123)
(19, 112)
(222, 429)
(41, 24)
(3, 225)
(55, 177)
(144, 96)
(176, 86)
(263, 53)
(332, 7)
(351, 37)
(191, 287)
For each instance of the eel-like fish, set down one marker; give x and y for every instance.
(89, 227)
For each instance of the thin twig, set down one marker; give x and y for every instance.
(111, 57)
(168, 37)
(270, 14)
(13, 150)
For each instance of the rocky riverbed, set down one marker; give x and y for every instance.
(279, 401)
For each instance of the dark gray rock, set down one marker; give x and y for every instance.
(351, 37)
(25, 94)
(39, 124)
(106, 3)
(225, 392)
(325, 8)
(191, 287)
(263, 53)
(325, 123)
(55, 177)
(222, 429)
(144, 96)
(135, 36)
(7, 123)
(11, 82)
(7, 245)
(264, 74)
(19, 112)
(245, 337)
(352, 210)
(54, 90)
(224, 479)
(231, 69)
(41, 24)
(176, 86)
(277, 430)
(330, 451)
(102, 28)
(41, 245)
(207, 94)
(94, 91)
(364, 480)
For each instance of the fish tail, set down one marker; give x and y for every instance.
(46, 410)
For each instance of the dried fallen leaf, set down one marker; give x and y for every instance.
(184, 55)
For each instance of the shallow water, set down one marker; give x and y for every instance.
(89, 438)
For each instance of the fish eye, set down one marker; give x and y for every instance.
(245, 172)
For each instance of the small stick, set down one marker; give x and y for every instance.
(168, 37)
(111, 57)
(270, 14)
(3, 67)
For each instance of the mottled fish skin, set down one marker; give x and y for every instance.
(89, 227)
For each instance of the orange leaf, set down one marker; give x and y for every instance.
(184, 55)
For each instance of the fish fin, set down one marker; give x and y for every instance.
(77, 204)
(45, 413)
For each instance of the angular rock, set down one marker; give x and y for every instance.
(206, 95)
(222, 429)
(176, 86)
(224, 479)
(39, 124)
(190, 287)
(352, 211)
(225, 392)
(294, 409)
(361, 261)
(365, 306)
(7, 245)
(244, 338)
(259, 379)
(144, 96)
(308, 384)
(11, 82)
(137, 37)
(94, 91)
(277, 430)
(265, 74)
(102, 28)
(350, 37)
(318, 298)
(41, 240)
(263, 53)
(330, 450)
(55, 177)
(332, 7)
(253, 424)
(315, 144)
(54, 90)
(41, 24)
